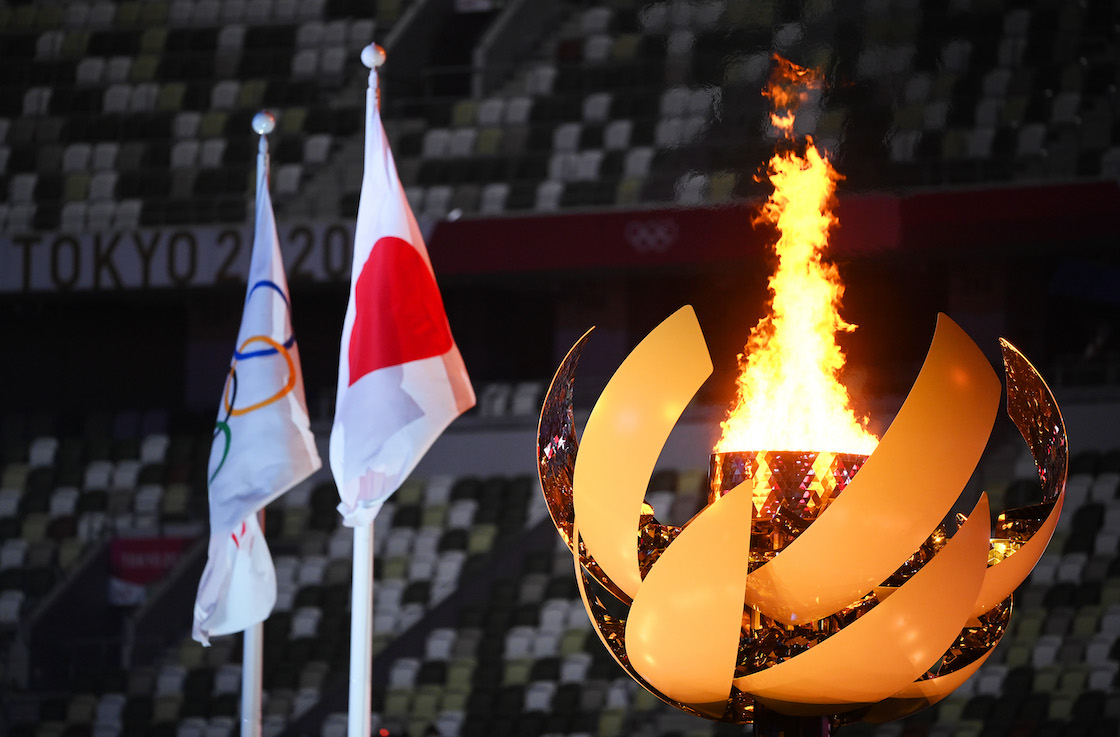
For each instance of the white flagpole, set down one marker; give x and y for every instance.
(361, 633)
(252, 652)
(361, 594)
(252, 665)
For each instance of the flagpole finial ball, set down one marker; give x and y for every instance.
(264, 122)
(373, 56)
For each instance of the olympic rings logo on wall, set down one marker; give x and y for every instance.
(652, 236)
(271, 348)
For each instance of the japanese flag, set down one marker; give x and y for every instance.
(401, 380)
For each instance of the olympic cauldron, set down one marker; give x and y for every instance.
(813, 585)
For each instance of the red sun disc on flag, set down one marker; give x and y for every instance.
(399, 314)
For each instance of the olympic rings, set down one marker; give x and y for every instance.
(238, 355)
(229, 394)
(223, 428)
(277, 348)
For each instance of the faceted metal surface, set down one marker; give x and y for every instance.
(790, 490)
(557, 446)
(1032, 408)
(974, 641)
(1021, 535)
(557, 443)
(800, 482)
(653, 538)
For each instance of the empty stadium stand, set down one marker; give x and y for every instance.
(117, 116)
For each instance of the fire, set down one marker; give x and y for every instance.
(789, 395)
(789, 87)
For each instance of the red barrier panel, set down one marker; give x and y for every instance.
(1013, 216)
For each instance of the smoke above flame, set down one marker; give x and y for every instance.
(789, 396)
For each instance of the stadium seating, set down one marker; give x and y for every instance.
(117, 115)
(138, 90)
(522, 661)
(682, 80)
(165, 91)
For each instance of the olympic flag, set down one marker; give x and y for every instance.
(263, 444)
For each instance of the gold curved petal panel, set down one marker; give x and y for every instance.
(1004, 577)
(611, 632)
(683, 630)
(921, 694)
(919, 621)
(901, 493)
(624, 436)
(557, 444)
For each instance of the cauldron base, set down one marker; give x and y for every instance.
(769, 723)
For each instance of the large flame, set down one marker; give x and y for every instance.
(789, 395)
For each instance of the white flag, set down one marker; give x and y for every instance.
(401, 380)
(263, 444)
